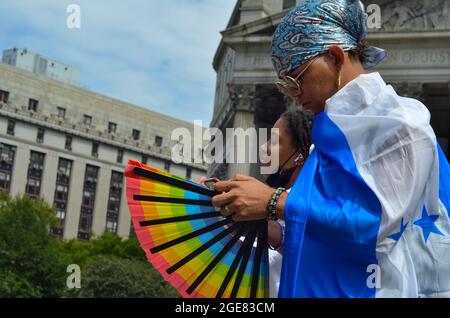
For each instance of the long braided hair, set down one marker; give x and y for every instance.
(299, 125)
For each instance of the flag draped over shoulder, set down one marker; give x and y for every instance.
(369, 214)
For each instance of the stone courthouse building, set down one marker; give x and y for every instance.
(415, 33)
(69, 145)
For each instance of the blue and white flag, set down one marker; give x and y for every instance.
(369, 214)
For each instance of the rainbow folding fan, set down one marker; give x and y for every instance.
(196, 249)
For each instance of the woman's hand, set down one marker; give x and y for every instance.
(244, 198)
(201, 180)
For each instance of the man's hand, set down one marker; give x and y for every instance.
(244, 198)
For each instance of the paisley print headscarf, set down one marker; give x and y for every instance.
(313, 26)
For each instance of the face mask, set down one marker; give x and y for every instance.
(281, 177)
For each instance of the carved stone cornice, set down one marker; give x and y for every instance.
(415, 15)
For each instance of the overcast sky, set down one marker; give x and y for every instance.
(153, 53)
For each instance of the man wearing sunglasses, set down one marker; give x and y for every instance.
(369, 214)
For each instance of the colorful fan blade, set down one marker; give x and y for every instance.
(196, 249)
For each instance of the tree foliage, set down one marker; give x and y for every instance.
(111, 277)
(33, 263)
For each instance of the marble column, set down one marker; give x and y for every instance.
(243, 104)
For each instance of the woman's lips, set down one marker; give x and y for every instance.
(306, 105)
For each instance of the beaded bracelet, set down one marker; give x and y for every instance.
(273, 203)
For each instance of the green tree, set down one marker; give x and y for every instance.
(112, 277)
(114, 267)
(31, 264)
(13, 285)
(80, 252)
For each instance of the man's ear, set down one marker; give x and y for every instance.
(337, 55)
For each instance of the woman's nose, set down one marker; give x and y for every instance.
(266, 149)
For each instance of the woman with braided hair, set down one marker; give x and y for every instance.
(293, 132)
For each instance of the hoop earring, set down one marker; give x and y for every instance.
(299, 160)
(338, 81)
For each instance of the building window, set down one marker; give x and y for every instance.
(158, 141)
(4, 96)
(188, 173)
(167, 166)
(112, 127)
(144, 159)
(11, 127)
(40, 135)
(88, 202)
(62, 193)
(136, 134)
(87, 120)
(68, 144)
(33, 104)
(7, 154)
(115, 194)
(34, 177)
(61, 214)
(94, 150)
(111, 226)
(61, 112)
(119, 156)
